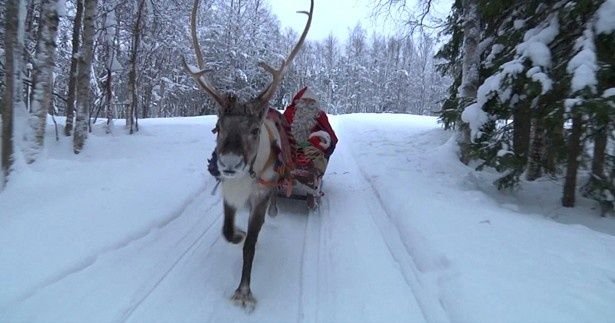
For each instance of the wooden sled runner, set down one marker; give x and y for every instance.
(307, 186)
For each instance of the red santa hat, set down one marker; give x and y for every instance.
(305, 94)
(308, 95)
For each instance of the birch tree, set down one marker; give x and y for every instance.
(12, 66)
(44, 62)
(469, 74)
(72, 75)
(84, 68)
(131, 121)
(110, 38)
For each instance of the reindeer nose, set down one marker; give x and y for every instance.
(229, 164)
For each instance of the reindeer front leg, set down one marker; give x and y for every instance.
(243, 296)
(231, 233)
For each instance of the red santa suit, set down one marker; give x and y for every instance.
(309, 124)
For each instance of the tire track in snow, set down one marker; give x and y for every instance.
(359, 279)
(148, 290)
(310, 282)
(428, 301)
(87, 262)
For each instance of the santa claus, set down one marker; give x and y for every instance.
(310, 128)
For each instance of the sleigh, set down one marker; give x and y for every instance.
(306, 183)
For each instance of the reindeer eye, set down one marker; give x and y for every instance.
(254, 131)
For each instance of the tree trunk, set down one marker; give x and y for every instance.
(521, 130)
(555, 144)
(574, 150)
(132, 74)
(146, 103)
(85, 64)
(11, 70)
(111, 50)
(600, 143)
(30, 17)
(598, 183)
(42, 78)
(534, 167)
(469, 77)
(463, 141)
(108, 98)
(72, 75)
(32, 20)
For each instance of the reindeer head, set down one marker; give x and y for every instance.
(240, 124)
(238, 136)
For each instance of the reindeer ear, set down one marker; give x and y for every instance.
(261, 110)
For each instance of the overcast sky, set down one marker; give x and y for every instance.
(335, 16)
(330, 16)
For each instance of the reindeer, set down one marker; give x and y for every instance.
(244, 147)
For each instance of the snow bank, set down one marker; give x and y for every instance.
(488, 254)
(66, 210)
(127, 231)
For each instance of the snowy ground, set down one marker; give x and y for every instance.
(128, 231)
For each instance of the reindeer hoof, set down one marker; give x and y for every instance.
(244, 299)
(273, 210)
(236, 236)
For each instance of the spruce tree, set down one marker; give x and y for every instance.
(546, 93)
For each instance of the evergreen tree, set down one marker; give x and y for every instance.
(543, 65)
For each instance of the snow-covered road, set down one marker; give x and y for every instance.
(341, 263)
(371, 253)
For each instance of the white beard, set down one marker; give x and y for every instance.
(304, 120)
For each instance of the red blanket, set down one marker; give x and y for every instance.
(285, 151)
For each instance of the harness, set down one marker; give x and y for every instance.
(282, 181)
(270, 161)
(281, 157)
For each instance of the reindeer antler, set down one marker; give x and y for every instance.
(199, 74)
(278, 74)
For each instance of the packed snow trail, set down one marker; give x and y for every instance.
(332, 265)
(308, 268)
(403, 233)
